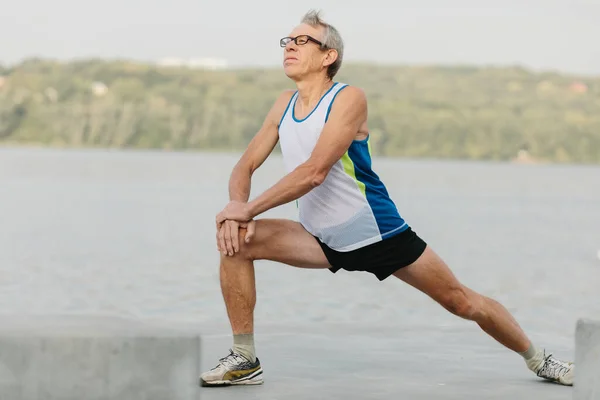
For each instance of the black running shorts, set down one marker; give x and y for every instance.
(382, 258)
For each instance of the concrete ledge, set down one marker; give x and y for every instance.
(96, 358)
(587, 360)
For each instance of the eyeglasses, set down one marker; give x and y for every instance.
(301, 40)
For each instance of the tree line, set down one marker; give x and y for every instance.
(484, 113)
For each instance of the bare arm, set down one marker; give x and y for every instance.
(258, 150)
(240, 180)
(347, 115)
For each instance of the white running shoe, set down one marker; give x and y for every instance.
(233, 369)
(556, 370)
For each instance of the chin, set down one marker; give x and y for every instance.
(291, 73)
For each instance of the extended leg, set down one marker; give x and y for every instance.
(432, 276)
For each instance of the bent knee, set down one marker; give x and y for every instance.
(459, 303)
(245, 250)
(270, 239)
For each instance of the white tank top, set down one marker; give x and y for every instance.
(351, 208)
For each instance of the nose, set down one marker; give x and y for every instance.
(289, 50)
(291, 46)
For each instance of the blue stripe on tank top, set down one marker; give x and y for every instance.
(286, 109)
(386, 214)
(332, 100)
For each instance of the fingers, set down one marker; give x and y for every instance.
(235, 241)
(220, 248)
(221, 240)
(250, 231)
(228, 237)
(229, 246)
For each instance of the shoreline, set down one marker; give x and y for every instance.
(516, 160)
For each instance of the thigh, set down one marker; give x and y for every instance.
(431, 275)
(287, 242)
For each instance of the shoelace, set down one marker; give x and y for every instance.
(553, 368)
(231, 360)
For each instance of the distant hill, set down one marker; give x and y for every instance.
(428, 111)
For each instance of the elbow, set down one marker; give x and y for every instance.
(313, 175)
(317, 177)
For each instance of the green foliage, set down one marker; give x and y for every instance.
(425, 111)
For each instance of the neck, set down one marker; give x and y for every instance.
(310, 90)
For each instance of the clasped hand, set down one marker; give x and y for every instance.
(234, 216)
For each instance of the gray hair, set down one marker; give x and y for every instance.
(331, 39)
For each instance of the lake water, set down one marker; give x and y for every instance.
(132, 234)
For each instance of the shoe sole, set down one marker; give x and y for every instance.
(254, 379)
(558, 382)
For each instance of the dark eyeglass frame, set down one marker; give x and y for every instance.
(301, 40)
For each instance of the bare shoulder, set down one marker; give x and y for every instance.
(286, 95)
(283, 100)
(351, 94)
(350, 100)
(354, 92)
(280, 105)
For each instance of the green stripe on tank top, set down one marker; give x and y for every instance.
(349, 169)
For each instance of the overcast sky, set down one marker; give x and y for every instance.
(540, 34)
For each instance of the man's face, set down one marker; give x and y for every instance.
(306, 56)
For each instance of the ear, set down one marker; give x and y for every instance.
(330, 56)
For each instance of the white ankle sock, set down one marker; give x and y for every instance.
(533, 357)
(244, 345)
